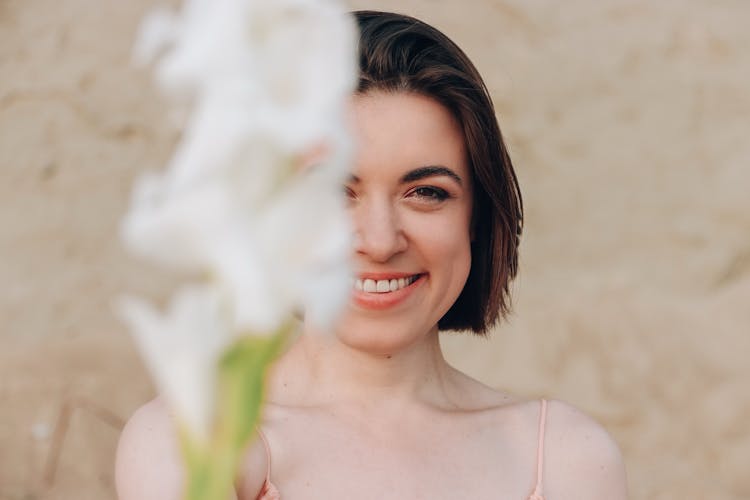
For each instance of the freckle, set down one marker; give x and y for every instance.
(388, 356)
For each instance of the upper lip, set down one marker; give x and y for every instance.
(384, 276)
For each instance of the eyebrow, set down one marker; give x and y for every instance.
(422, 173)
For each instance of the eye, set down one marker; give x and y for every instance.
(430, 194)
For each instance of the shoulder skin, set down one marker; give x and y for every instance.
(582, 461)
(148, 464)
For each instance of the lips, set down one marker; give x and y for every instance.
(383, 291)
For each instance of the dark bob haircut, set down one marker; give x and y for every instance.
(398, 53)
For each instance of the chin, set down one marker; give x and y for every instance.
(375, 338)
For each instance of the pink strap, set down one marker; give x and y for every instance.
(539, 489)
(269, 490)
(268, 453)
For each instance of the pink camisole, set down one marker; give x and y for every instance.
(270, 492)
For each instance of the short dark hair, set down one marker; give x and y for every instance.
(398, 53)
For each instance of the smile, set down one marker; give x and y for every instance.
(384, 285)
(379, 292)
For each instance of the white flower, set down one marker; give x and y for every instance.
(181, 349)
(262, 82)
(269, 79)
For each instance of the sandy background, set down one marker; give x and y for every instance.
(628, 122)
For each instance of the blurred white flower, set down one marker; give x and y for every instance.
(181, 348)
(263, 83)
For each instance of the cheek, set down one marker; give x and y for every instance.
(445, 243)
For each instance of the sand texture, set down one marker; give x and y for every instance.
(628, 123)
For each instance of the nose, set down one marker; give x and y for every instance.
(378, 232)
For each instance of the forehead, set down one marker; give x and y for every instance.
(395, 132)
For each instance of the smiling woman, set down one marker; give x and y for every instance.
(372, 410)
(411, 201)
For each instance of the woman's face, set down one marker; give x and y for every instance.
(410, 197)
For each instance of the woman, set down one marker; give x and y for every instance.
(373, 410)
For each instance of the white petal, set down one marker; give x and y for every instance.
(259, 307)
(156, 32)
(181, 348)
(178, 230)
(294, 59)
(306, 235)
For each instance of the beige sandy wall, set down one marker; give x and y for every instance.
(627, 121)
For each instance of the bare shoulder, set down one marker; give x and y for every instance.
(148, 462)
(582, 461)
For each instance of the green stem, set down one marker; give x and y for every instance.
(212, 468)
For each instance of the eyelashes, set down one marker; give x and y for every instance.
(431, 194)
(423, 194)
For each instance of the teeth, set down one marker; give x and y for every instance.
(383, 286)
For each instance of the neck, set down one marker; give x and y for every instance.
(320, 370)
